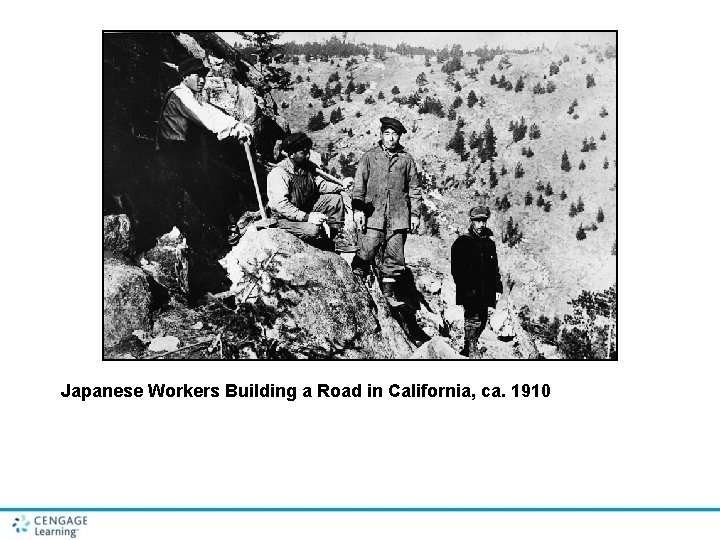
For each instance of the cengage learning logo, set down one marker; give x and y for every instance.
(21, 524)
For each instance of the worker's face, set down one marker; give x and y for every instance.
(195, 82)
(391, 138)
(300, 156)
(478, 224)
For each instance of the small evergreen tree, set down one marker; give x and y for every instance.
(457, 102)
(335, 116)
(395, 90)
(487, 151)
(505, 203)
(528, 199)
(573, 210)
(315, 91)
(580, 205)
(582, 165)
(534, 132)
(519, 85)
(421, 79)
(603, 112)
(482, 102)
(452, 114)
(550, 87)
(473, 141)
(512, 235)
(529, 152)
(565, 164)
(580, 234)
(563, 195)
(600, 215)
(369, 100)
(471, 99)
(548, 206)
(457, 86)
(554, 69)
(316, 122)
(548, 189)
(590, 80)
(457, 143)
(540, 201)
(493, 177)
(540, 186)
(519, 171)
(603, 136)
(493, 80)
(503, 171)
(606, 164)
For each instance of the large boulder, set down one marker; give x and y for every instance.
(437, 349)
(117, 236)
(126, 300)
(310, 300)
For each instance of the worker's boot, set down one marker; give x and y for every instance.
(472, 334)
(344, 242)
(389, 290)
(360, 267)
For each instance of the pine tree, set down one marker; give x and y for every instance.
(603, 136)
(315, 91)
(534, 132)
(503, 171)
(554, 69)
(519, 171)
(316, 122)
(563, 195)
(540, 186)
(548, 189)
(452, 114)
(573, 210)
(512, 234)
(505, 203)
(482, 102)
(550, 87)
(457, 102)
(580, 205)
(590, 81)
(487, 151)
(457, 86)
(528, 199)
(548, 206)
(519, 85)
(580, 234)
(493, 177)
(529, 152)
(473, 141)
(606, 164)
(582, 165)
(600, 215)
(493, 80)
(471, 99)
(421, 80)
(565, 165)
(457, 143)
(395, 90)
(540, 201)
(381, 95)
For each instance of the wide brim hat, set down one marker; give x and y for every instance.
(392, 123)
(294, 142)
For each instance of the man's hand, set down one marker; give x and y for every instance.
(359, 218)
(317, 218)
(348, 183)
(243, 132)
(414, 223)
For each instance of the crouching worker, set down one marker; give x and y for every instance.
(474, 268)
(304, 203)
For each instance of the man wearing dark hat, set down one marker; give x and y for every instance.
(474, 267)
(182, 111)
(303, 202)
(386, 205)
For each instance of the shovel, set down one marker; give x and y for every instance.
(265, 222)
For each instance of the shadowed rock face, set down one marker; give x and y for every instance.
(126, 300)
(315, 304)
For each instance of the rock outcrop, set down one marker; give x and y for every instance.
(117, 235)
(126, 300)
(311, 301)
(167, 263)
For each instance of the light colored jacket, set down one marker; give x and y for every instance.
(181, 107)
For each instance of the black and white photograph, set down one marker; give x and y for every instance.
(351, 195)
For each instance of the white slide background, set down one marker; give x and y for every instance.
(642, 432)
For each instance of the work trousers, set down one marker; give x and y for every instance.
(393, 256)
(330, 204)
(476, 317)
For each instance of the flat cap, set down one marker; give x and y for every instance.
(192, 65)
(392, 123)
(479, 212)
(295, 141)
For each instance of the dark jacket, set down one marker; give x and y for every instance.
(382, 176)
(474, 267)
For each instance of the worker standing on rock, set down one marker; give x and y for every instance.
(474, 268)
(304, 202)
(386, 204)
(182, 108)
